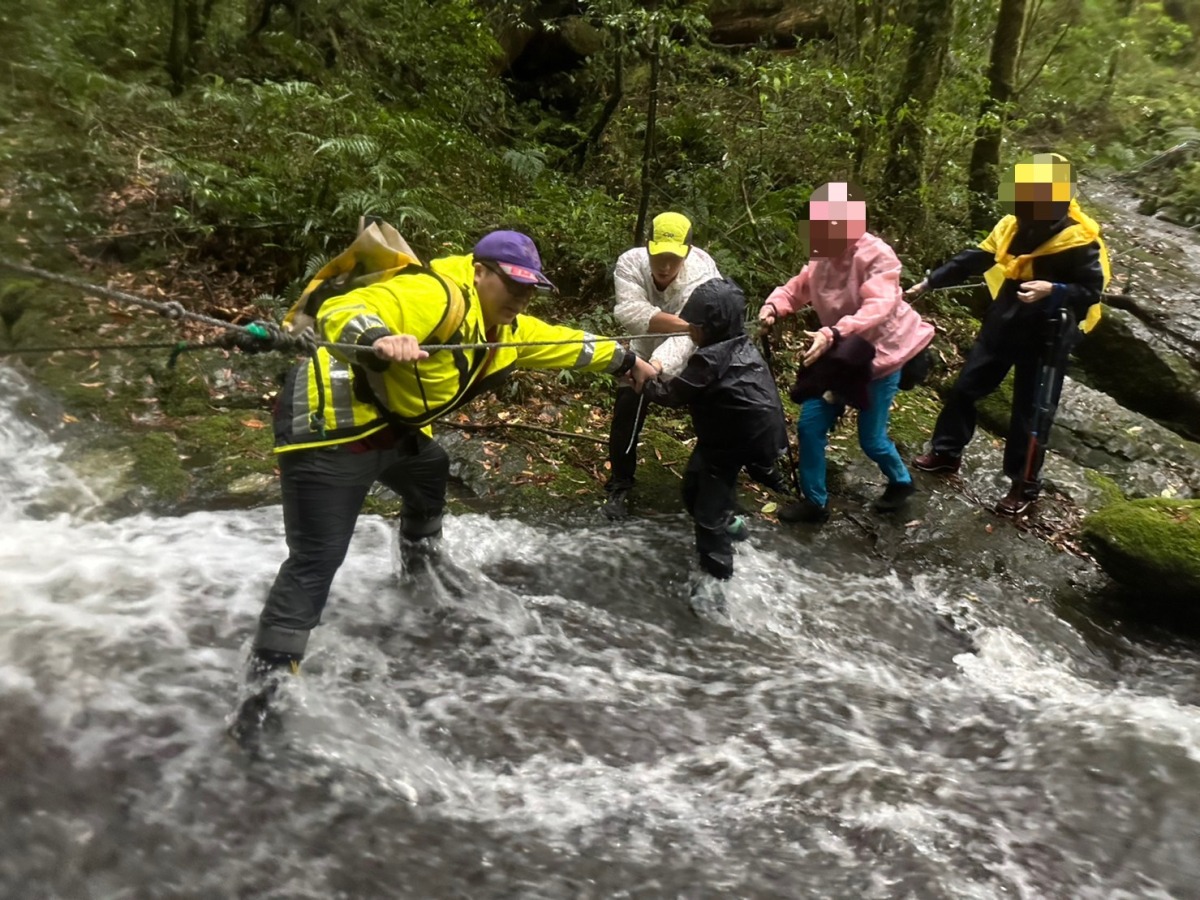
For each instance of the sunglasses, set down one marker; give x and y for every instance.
(518, 289)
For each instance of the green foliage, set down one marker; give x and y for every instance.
(287, 132)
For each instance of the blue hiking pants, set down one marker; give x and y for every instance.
(816, 419)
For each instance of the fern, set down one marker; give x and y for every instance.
(358, 145)
(527, 164)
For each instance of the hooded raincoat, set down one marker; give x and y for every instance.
(735, 410)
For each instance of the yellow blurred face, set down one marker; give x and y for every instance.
(1039, 189)
(501, 299)
(665, 268)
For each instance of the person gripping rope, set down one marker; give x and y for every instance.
(735, 411)
(344, 422)
(652, 283)
(1045, 257)
(853, 283)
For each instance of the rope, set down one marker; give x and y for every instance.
(259, 336)
(253, 335)
(956, 287)
(156, 345)
(493, 344)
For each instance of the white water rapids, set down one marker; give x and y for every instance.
(567, 729)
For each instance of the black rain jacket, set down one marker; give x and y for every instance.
(726, 385)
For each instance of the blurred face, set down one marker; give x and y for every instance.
(665, 267)
(835, 221)
(1039, 190)
(500, 298)
(831, 238)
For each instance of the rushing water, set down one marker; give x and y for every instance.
(563, 727)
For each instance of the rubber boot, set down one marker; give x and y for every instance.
(258, 714)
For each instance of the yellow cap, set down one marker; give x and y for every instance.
(670, 233)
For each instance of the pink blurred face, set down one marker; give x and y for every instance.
(834, 225)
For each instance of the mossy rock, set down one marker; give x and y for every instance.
(1109, 491)
(1151, 543)
(914, 414)
(1131, 363)
(157, 469)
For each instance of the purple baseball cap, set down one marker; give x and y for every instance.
(516, 255)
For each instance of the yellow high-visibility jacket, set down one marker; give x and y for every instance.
(335, 399)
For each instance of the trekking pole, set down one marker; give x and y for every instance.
(768, 354)
(1044, 406)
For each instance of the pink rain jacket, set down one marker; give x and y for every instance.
(859, 293)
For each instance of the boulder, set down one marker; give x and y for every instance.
(775, 22)
(1142, 370)
(1152, 543)
(1141, 457)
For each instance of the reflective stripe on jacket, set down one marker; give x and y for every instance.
(363, 395)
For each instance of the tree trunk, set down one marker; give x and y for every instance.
(983, 177)
(585, 147)
(1124, 11)
(189, 22)
(903, 175)
(178, 44)
(639, 232)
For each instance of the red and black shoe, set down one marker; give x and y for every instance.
(1018, 501)
(933, 461)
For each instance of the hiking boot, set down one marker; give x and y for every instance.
(771, 478)
(804, 510)
(737, 528)
(1017, 501)
(895, 497)
(937, 462)
(617, 505)
(255, 717)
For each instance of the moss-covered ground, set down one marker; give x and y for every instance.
(1149, 543)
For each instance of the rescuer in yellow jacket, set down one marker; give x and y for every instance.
(345, 421)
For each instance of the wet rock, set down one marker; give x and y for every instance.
(255, 484)
(1141, 457)
(108, 472)
(1151, 542)
(1163, 267)
(1143, 370)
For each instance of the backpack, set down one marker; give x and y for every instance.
(378, 253)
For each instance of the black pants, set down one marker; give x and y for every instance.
(985, 369)
(323, 492)
(709, 482)
(629, 415)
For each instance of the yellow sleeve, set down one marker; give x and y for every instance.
(407, 304)
(584, 350)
